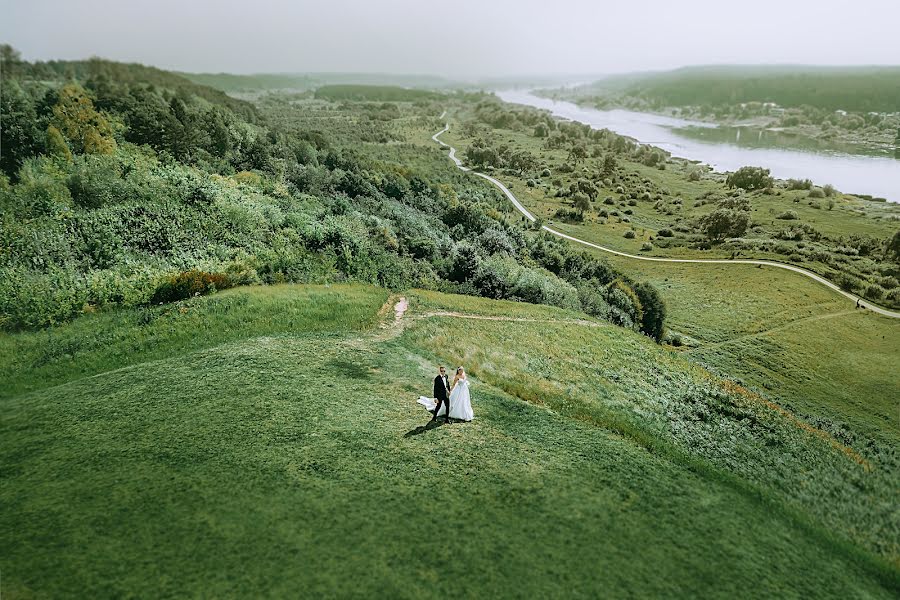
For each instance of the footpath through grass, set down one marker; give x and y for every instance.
(289, 458)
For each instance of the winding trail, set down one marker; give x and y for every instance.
(815, 277)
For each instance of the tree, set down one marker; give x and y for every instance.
(724, 223)
(577, 153)
(609, 165)
(56, 144)
(893, 246)
(86, 129)
(20, 134)
(750, 178)
(585, 187)
(541, 130)
(582, 203)
(654, 310)
(10, 61)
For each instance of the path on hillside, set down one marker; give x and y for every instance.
(723, 261)
(391, 328)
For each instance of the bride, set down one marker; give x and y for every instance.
(460, 403)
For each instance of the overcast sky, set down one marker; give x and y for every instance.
(462, 39)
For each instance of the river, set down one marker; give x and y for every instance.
(877, 176)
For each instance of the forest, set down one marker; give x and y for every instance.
(124, 185)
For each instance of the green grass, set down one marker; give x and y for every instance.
(289, 458)
(114, 339)
(776, 331)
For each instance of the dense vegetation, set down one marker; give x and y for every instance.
(380, 93)
(637, 198)
(121, 192)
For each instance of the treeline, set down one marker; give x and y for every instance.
(377, 93)
(120, 192)
(861, 89)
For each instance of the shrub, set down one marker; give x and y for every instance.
(608, 201)
(653, 310)
(723, 223)
(816, 193)
(788, 215)
(799, 184)
(829, 190)
(646, 246)
(874, 292)
(629, 235)
(189, 284)
(665, 233)
(749, 178)
(625, 306)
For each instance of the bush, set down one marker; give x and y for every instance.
(723, 223)
(750, 178)
(816, 193)
(646, 246)
(799, 184)
(788, 215)
(629, 235)
(874, 292)
(625, 306)
(189, 284)
(653, 313)
(665, 233)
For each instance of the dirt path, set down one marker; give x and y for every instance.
(391, 328)
(818, 278)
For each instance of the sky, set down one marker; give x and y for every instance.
(465, 39)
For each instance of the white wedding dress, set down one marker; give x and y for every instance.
(460, 403)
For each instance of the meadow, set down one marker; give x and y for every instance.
(288, 457)
(204, 391)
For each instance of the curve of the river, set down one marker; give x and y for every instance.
(875, 176)
(525, 212)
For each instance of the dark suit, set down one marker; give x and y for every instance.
(442, 394)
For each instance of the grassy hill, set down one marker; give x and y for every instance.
(266, 441)
(229, 82)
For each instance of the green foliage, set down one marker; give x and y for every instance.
(849, 88)
(750, 178)
(189, 284)
(724, 223)
(653, 307)
(85, 129)
(379, 93)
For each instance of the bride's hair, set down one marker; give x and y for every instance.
(458, 370)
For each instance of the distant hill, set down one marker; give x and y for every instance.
(861, 89)
(228, 82)
(131, 74)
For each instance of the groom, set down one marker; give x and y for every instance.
(442, 394)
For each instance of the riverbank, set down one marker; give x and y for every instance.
(875, 177)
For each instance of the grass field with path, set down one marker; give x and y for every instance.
(281, 452)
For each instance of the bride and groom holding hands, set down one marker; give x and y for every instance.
(451, 400)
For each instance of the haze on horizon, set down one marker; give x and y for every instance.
(466, 39)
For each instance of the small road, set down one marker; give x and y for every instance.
(769, 263)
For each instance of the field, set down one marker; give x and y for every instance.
(266, 441)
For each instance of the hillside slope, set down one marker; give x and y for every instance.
(266, 440)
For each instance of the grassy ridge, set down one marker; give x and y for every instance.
(297, 460)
